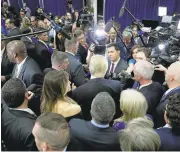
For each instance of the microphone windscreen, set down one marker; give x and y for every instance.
(121, 12)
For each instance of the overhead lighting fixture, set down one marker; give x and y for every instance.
(162, 11)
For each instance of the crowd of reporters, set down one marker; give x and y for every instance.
(75, 95)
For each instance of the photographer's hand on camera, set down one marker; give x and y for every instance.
(90, 53)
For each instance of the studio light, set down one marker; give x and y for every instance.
(162, 11)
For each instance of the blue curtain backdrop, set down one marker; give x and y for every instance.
(32, 5)
(141, 9)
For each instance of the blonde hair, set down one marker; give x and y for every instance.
(133, 104)
(139, 136)
(98, 66)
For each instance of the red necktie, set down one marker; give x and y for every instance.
(112, 68)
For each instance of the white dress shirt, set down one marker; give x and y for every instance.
(145, 85)
(19, 67)
(115, 64)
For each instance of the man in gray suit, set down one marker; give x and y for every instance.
(75, 68)
(115, 63)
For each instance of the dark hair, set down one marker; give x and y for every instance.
(13, 92)
(173, 111)
(101, 21)
(146, 51)
(54, 88)
(54, 130)
(133, 48)
(114, 45)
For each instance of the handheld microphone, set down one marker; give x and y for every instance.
(122, 9)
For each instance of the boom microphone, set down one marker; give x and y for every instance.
(122, 9)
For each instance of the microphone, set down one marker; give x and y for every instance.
(122, 9)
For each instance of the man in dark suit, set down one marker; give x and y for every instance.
(12, 29)
(95, 135)
(85, 94)
(6, 65)
(116, 63)
(59, 61)
(26, 69)
(75, 68)
(170, 133)
(173, 82)
(51, 132)
(43, 51)
(153, 91)
(17, 120)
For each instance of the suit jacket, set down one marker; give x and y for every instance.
(85, 94)
(6, 65)
(162, 105)
(31, 74)
(153, 94)
(47, 70)
(13, 32)
(87, 137)
(16, 129)
(82, 54)
(76, 71)
(43, 56)
(170, 141)
(30, 45)
(122, 65)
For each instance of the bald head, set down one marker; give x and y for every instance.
(16, 49)
(173, 75)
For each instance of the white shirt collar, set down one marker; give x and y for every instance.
(44, 44)
(145, 85)
(19, 66)
(70, 53)
(98, 125)
(26, 110)
(169, 90)
(115, 64)
(114, 40)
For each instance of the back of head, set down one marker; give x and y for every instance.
(174, 70)
(13, 92)
(133, 104)
(78, 33)
(54, 88)
(58, 57)
(139, 138)
(103, 108)
(53, 130)
(70, 43)
(17, 47)
(144, 69)
(173, 112)
(98, 66)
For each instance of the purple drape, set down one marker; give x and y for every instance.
(32, 5)
(141, 9)
(57, 7)
(77, 4)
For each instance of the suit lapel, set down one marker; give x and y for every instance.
(23, 69)
(118, 66)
